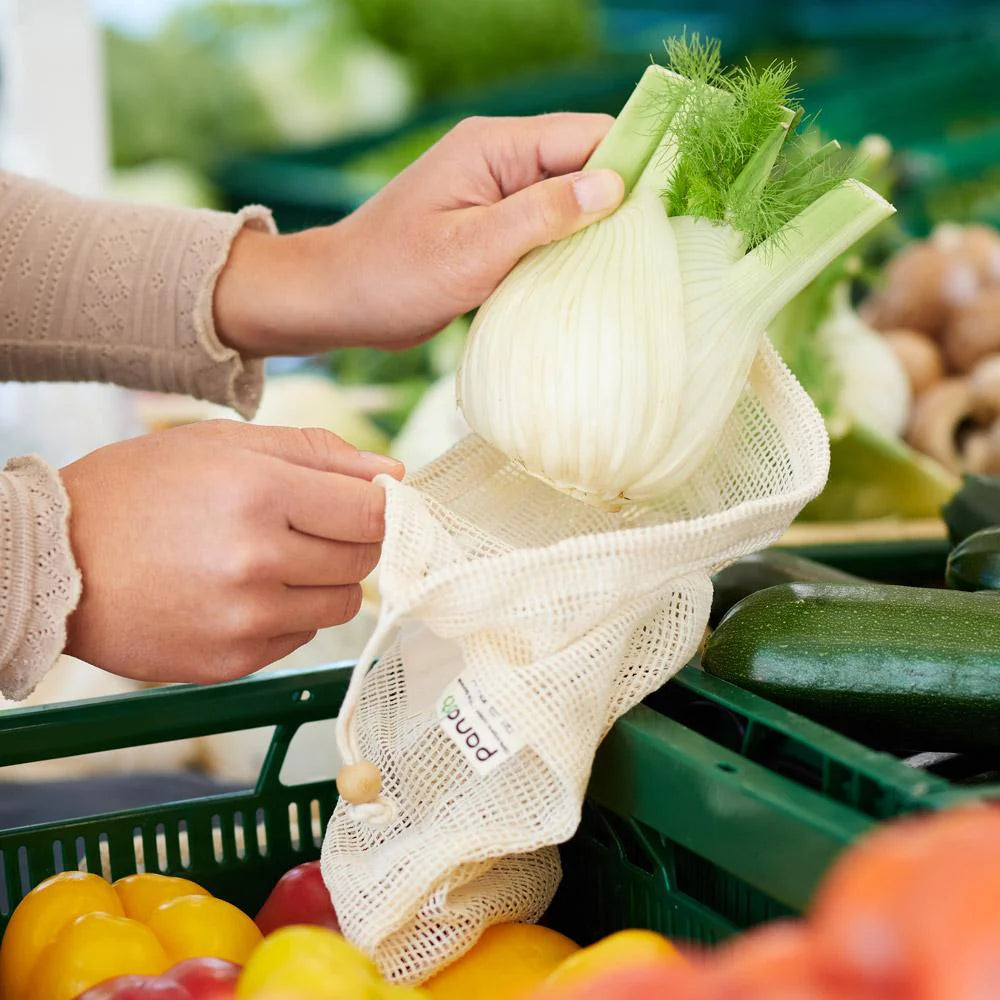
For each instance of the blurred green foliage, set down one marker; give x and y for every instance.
(456, 45)
(179, 96)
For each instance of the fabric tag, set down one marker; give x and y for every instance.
(485, 739)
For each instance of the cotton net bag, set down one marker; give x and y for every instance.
(518, 621)
(517, 624)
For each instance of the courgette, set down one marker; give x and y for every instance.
(764, 569)
(974, 507)
(896, 667)
(974, 564)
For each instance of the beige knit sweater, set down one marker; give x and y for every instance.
(96, 291)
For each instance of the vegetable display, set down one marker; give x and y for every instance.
(76, 930)
(974, 564)
(608, 363)
(908, 913)
(938, 305)
(900, 667)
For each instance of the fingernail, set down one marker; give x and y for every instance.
(384, 461)
(598, 191)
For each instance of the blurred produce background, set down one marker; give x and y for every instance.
(310, 106)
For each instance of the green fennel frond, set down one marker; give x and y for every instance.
(730, 131)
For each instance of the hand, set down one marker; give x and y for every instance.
(428, 247)
(213, 549)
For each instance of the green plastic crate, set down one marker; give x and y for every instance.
(709, 809)
(918, 562)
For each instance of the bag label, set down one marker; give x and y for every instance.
(485, 739)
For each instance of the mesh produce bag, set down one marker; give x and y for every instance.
(516, 625)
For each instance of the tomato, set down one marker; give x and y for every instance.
(300, 897)
(204, 927)
(141, 894)
(95, 947)
(39, 918)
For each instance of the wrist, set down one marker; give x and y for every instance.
(278, 294)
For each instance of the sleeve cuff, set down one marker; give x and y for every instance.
(40, 584)
(239, 381)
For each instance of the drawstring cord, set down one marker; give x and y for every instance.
(359, 781)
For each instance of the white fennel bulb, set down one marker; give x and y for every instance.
(874, 386)
(608, 363)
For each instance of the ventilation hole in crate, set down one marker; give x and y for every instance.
(184, 843)
(724, 765)
(293, 825)
(217, 848)
(104, 853)
(316, 822)
(23, 871)
(596, 827)
(261, 823)
(161, 847)
(4, 895)
(302, 695)
(635, 851)
(241, 844)
(57, 857)
(138, 851)
(80, 846)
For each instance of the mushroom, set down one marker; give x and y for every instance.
(919, 356)
(923, 284)
(973, 331)
(940, 416)
(978, 246)
(991, 465)
(984, 385)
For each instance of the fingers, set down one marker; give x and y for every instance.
(522, 151)
(337, 507)
(307, 561)
(283, 645)
(315, 448)
(553, 209)
(305, 609)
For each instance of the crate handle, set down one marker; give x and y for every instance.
(177, 712)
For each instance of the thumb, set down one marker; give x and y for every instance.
(555, 208)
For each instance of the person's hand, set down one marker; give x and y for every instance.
(428, 247)
(213, 549)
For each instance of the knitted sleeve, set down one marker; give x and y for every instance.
(96, 291)
(102, 291)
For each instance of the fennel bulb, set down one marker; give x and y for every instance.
(874, 386)
(608, 363)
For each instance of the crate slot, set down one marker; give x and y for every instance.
(58, 865)
(104, 855)
(137, 850)
(261, 833)
(293, 825)
(316, 822)
(184, 844)
(161, 847)
(241, 846)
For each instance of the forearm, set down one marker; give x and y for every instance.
(39, 579)
(102, 291)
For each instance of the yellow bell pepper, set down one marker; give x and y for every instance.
(76, 930)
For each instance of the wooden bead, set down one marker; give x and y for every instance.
(359, 783)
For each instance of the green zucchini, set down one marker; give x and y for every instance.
(767, 569)
(974, 564)
(974, 507)
(896, 667)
